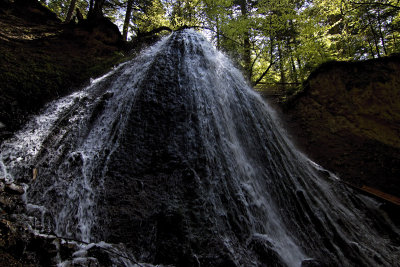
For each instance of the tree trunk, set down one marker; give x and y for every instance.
(218, 34)
(127, 20)
(97, 11)
(301, 72)
(289, 46)
(70, 11)
(247, 55)
(91, 4)
(300, 75)
(281, 65)
(246, 42)
(374, 36)
(382, 37)
(294, 70)
(394, 43)
(371, 49)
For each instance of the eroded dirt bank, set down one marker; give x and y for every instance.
(347, 118)
(42, 59)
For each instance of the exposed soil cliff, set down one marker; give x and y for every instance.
(42, 59)
(347, 118)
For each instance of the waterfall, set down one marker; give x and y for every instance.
(173, 155)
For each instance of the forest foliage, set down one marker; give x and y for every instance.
(275, 41)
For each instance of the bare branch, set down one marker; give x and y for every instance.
(262, 75)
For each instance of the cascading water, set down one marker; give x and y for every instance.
(173, 155)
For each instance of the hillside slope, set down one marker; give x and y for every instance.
(42, 59)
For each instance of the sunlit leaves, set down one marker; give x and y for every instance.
(148, 16)
(293, 35)
(60, 7)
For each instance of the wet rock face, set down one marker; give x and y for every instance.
(347, 120)
(19, 246)
(175, 159)
(156, 194)
(151, 191)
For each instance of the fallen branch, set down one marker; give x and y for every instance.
(262, 75)
(155, 31)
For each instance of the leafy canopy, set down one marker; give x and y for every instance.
(275, 41)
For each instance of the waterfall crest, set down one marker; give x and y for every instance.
(174, 155)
